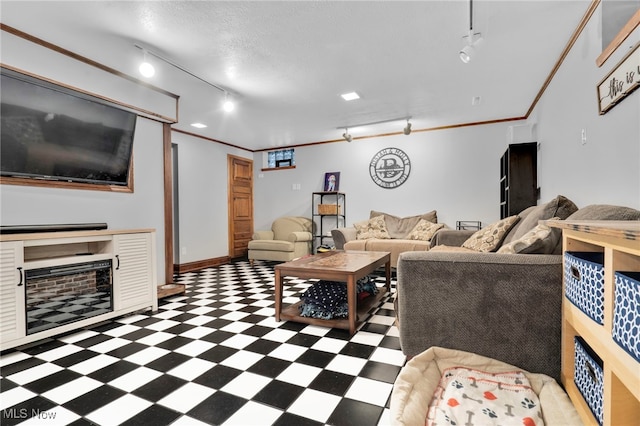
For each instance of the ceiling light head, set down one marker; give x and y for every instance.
(347, 137)
(228, 104)
(145, 68)
(407, 129)
(466, 53)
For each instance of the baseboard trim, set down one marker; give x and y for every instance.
(200, 264)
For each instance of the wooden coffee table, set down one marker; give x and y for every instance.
(346, 266)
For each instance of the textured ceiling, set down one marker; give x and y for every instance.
(286, 63)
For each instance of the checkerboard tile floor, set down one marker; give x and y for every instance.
(214, 355)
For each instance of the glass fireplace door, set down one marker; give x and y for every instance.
(64, 294)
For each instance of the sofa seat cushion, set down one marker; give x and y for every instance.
(375, 244)
(415, 385)
(399, 227)
(356, 245)
(395, 247)
(451, 249)
(275, 245)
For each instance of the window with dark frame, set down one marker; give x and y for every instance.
(281, 158)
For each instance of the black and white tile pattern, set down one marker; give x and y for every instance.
(215, 355)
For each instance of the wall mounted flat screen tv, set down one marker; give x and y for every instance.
(55, 133)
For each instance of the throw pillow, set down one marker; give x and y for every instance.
(399, 227)
(424, 230)
(560, 207)
(372, 228)
(489, 238)
(540, 240)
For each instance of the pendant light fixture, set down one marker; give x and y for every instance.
(407, 129)
(473, 39)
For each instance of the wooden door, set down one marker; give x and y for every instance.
(240, 204)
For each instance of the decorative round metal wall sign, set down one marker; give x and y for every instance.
(390, 168)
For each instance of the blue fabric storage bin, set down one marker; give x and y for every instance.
(584, 282)
(626, 312)
(589, 377)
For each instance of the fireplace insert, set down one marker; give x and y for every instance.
(63, 294)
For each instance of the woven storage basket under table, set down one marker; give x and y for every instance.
(329, 209)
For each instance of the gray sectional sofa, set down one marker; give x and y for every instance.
(499, 305)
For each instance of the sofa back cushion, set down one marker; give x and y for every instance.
(400, 227)
(605, 212)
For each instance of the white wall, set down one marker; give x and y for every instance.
(455, 172)
(605, 170)
(202, 197)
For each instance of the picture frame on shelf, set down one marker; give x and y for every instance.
(331, 182)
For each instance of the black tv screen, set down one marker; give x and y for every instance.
(56, 133)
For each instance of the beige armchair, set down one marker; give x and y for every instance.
(290, 237)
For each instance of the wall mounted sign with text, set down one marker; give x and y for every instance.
(620, 82)
(390, 168)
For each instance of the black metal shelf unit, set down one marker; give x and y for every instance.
(328, 212)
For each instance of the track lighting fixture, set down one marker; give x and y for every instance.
(407, 129)
(147, 70)
(349, 138)
(473, 39)
(468, 52)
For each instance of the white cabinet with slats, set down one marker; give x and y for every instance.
(11, 291)
(133, 271)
